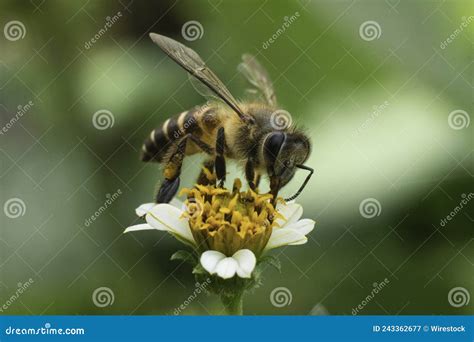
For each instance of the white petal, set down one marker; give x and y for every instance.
(246, 262)
(166, 217)
(303, 226)
(143, 209)
(283, 237)
(137, 227)
(291, 211)
(177, 203)
(210, 259)
(226, 268)
(299, 242)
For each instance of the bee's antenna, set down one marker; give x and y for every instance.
(307, 168)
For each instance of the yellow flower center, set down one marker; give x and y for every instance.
(227, 221)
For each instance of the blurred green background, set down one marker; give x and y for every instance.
(376, 105)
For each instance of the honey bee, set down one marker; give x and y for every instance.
(250, 133)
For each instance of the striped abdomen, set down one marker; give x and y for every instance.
(157, 145)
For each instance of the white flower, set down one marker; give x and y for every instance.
(289, 230)
(164, 217)
(241, 262)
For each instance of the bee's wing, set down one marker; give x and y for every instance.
(256, 74)
(191, 62)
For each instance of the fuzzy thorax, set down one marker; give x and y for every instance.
(228, 221)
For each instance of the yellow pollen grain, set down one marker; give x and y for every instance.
(203, 189)
(224, 210)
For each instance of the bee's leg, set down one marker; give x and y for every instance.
(202, 145)
(171, 172)
(250, 174)
(220, 161)
(208, 164)
(274, 188)
(203, 177)
(258, 176)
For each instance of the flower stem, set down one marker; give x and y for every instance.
(233, 304)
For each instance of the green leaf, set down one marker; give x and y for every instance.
(198, 269)
(185, 256)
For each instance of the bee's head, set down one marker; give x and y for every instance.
(283, 153)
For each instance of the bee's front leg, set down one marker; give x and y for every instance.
(274, 188)
(258, 177)
(220, 160)
(250, 175)
(171, 172)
